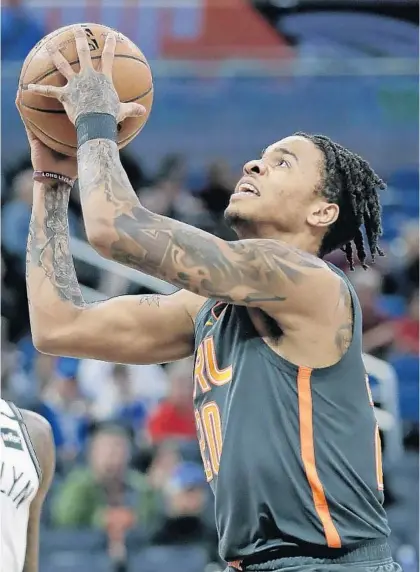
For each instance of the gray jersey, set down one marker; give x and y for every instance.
(292, 453)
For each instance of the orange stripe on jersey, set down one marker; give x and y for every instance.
(378, 459)
(308, 457)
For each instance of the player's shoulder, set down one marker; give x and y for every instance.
(36, 424)
(190, 302)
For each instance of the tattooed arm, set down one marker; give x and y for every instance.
(128, 329)
(41, 437)
(249, 272)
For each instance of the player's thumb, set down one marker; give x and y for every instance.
(131, 110)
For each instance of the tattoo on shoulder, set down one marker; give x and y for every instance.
(344, 333)
(150, 300)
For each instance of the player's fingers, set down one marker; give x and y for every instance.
(131, 110)
(60, 61)
(108, 54)
(82, 47)
(46, 90)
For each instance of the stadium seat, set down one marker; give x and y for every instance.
(404, 179)
(407, 368)
(62, 540)
(174, 558)
(391, 305)
(72, 560)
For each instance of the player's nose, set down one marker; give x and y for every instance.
(257, 167)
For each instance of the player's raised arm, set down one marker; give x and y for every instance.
(129, 329)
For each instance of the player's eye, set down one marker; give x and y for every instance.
(282, 163)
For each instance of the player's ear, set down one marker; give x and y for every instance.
(323, 214)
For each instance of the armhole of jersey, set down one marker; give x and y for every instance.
(26, 436)
(202, 314)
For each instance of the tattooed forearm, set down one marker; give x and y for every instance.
(48, 246)
(246, 272)
(100, 171)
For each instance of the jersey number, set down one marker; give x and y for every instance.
(209, 427)
(208, 374)
(378, 444)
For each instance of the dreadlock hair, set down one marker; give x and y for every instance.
(351, 183)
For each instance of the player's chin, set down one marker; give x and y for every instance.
(232, 211)
(237, 214)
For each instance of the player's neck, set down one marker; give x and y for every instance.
(302, 241)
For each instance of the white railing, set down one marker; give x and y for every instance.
(387, 394)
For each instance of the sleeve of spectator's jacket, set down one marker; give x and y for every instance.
(75, 502)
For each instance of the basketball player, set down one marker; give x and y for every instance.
(27, 465)
(285, 421)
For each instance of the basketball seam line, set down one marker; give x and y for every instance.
(117, 56)
(62, 111)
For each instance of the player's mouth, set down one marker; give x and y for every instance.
(246, 188)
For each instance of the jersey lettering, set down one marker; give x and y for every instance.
(13, 486)
(199, 372)
(216, 375)
(208, 373)
(202, 444)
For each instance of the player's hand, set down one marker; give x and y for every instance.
(89, 91)
(45, 159)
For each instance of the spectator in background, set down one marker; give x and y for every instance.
(19, 30)
(185, 496)
(16, 214)
(66, 410)
(218, 188)
(402, 277)
(131, 410)
(110, 387)
(89, 494)
(405, 331)
(174, 417)
(165, 458)
(367, 284)
(169, 196)
(401, 335)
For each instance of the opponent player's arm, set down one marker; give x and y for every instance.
(129, 329)
(249, 272)
(42, 440)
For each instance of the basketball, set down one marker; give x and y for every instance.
(46, 117)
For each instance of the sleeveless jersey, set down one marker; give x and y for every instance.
(292, 454)
(20, 476)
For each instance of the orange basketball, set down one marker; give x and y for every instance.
(46, 117)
